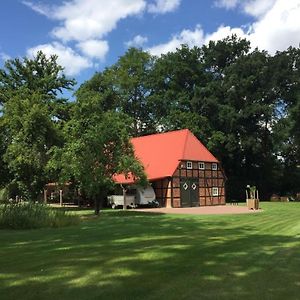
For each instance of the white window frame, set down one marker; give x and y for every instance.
(201, 165)
(189, 165)
(215, 191)
(214, 166)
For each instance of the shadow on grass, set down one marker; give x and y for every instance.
(132, 255)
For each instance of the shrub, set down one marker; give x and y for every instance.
(11, 190)
(31, 215)
(4, 195)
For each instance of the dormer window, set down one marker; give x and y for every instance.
(201, 166)
(189, 165)
(214, 166)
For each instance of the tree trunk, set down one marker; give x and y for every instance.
(97, 205)
(99, 200)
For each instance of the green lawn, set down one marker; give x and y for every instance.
(127, 255)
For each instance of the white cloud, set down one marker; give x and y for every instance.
(4, 56)
(195, 38)
(228, 4)
(163, 6)
(94, 48)
(138, 41)
(276, 27)
(223, 32)
(85, 24)
(189, 37)
(257, 8)
(82, 21)
(254, 8)
(39, 8)
(279, 28)
(277, 24)
(67, 57)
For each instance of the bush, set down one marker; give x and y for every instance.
(31, 215)
(10, 191)
(4, 195)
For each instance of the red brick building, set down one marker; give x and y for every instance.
(180, 168)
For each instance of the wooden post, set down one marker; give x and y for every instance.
(60, 197)
(45, 196)
(124, 199)
(257, 200)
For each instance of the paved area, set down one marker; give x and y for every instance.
(204, 210)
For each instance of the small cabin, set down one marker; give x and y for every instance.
(181, 170)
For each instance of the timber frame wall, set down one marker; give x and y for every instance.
(168, 190)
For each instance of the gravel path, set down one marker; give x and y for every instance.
(203, 210)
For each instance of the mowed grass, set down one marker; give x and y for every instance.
(128, 255)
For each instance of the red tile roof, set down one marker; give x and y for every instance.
(160, 153)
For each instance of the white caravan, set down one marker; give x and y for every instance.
(135, 196)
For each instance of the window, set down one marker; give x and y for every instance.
(215, 191)
(201, 165)
(214, 166)
(189, 165)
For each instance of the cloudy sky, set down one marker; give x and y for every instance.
(89, 35)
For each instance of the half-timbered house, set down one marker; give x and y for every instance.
(180, 168)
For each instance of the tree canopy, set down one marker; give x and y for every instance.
(31, 119)
(243, 103)
(97, 147)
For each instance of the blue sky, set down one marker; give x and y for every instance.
(89, 35)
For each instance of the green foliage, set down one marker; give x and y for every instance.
(124, 87)
(218, 55)
(31, 120)
(31, 215)
(4, 172)
(4, 195)
(97, 147)
(10, 191)
(242, 103)
(174, 80)
(131, 82)
(230, 97)
(40, 75)
(32, 134)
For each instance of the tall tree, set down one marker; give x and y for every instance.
(125, 87)
(131, 83)
(32, 112)
(175, 78)
(98, 147)
(286, 74)
(4, 172)
(249, 93)
(31, 135)
(228, 96)
(39, 75)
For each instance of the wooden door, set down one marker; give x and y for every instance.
(194, 191)
(189, 192)
(185, 192)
